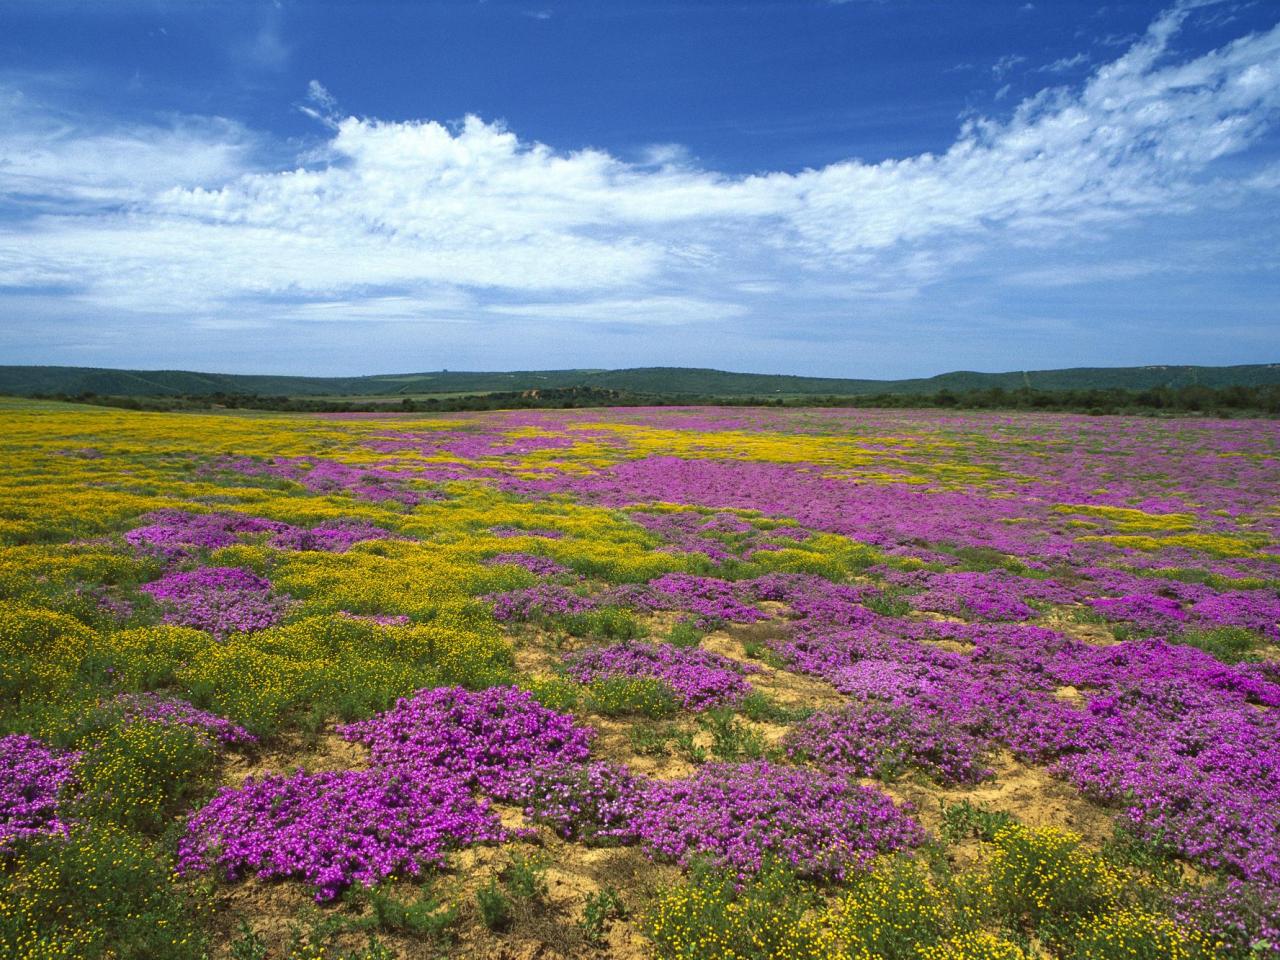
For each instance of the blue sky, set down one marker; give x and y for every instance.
(863, 188)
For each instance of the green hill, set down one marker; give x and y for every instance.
(657, 381)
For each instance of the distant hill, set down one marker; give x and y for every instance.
(659, 381)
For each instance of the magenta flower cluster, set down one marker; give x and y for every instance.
(485, 740)
(874, 740)
(540, 566)
(429, 755)
(221, 600)
(507, 531)
(32, 780)
(333, 477)
(174, 534)
(542, 602)
(210, 728)
(336, 536)
(594, 802)
(711, 600)
(991, 595)
(1183, 743)
(736, 815)
(335, 828)
(700, 678)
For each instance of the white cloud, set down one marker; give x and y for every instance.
(179, 219)
(44, 155)
(1063, 64)
(643, 311)
(1002, 67)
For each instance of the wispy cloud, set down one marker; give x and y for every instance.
(1063, 64)
(1005, 65)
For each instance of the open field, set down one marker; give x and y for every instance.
(677, 682)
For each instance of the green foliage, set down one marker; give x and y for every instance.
(525, 878)
(963, 820)
(758, 707)
(685, 634)
(759, 650)
(730, 738)
(713, 916)
(891, 911)
(424, 916)
(1135, 934)
(599, 909)
(140, 774)
(40, 652)
(1129, 851)
(248, 945)
(639, 696)
(890, 603)
(555, 693)
(649, 741)
(99, 893)
(1228, 644)
(1044, 879)
(688, 746)
(606, 623)
(495, 906)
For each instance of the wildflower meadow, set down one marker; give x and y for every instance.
(675, 682)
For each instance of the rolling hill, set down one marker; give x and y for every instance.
(668, 381)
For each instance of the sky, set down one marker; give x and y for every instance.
(866, 188)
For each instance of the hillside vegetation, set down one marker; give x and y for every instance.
(74, 381)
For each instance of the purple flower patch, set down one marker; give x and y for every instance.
(32, 779)
(700, 678)
(221, 600)
(333, 829)
(486, 740)
(737, 814)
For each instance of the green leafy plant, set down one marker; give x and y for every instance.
(495, 906)
(424, 916)
(525, 878)
(600, 907)
(964, 820)
(685, 634)
(731, 739)
(715, 915)
(623, 696)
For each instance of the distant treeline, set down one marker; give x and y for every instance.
(1191, 399)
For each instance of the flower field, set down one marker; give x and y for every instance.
(673, 682)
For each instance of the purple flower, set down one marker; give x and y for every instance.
(486, 740)
(542, 566)
(221, 600)
(334, 829)
(866, 740)
(32, 780)
(700, 678)
(737, 814)
(170, 711)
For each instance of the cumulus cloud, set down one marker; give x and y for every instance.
(419, 220)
